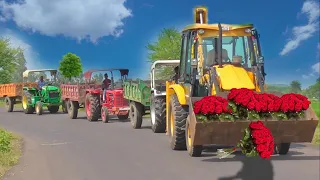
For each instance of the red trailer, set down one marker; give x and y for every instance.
(90, 96)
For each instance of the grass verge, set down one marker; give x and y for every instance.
(10, 150)
(316, 107)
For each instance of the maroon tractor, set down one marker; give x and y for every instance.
(100, 99)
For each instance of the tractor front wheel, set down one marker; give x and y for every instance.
(104, 114)
(158, 114)
(39, 108)
(72, 107)
(53, 109)
(92, 105)
(9, 102)
(135, 114)
(178, 116)
(64, 107)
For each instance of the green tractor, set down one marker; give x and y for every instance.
(34, 99)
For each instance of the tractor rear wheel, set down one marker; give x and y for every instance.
(123, 117)
(39, 108)
(158, 114)
(64, 107)
(9, 102)
(178, 117)
(193, 150)
(53, 109)
(282, 148)
(104, 114)
(92, 105)
(26, 100)
(72, 107)
(135, 114)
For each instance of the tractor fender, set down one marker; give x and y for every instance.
(93, 91)
(179, 91)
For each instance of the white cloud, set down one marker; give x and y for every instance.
(31, 56)
(79, 19)
(316, 67)
(315, 70)
(310, 8)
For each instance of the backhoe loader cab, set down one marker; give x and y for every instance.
(214, 59)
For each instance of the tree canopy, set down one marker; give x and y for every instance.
(295, 86)
(12, 62)
(70, 66)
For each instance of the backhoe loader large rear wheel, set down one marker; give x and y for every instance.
(27, 99)
(9, 102)
(193, 150)
(72, 107)
(158, 114)
(92, 105)
(135, 114)
(282, 148)
(178, 117)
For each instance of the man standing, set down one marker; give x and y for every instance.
(41, 82)
(105, 85)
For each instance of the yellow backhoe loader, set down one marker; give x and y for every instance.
(214, 59)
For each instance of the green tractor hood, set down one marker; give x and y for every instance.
(50, 88)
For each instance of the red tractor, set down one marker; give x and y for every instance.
(97, 99)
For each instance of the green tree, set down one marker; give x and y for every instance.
(167, 46)
(318, 80)
(20, 62)
(70, 66)
(97, 77)
(7, 61)
(295, 86)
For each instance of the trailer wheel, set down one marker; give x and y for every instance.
(39, 108)
(92, 105)
(282, 148)
(72, 107)
(178, 116)
(9, 102)
(135, 114)
(158, 114)
(123, 117)
(64, 107)
(193, 150)
(104, 114)
(26, 99)
(53, 109)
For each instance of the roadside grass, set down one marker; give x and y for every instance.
(316, 107)
(10, 150)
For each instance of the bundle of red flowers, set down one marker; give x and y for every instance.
(257, 140)
(212, 107)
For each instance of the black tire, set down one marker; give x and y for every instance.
(104, 114)
(27, 109)
(94, 107)
(64, 107)
(9, 102)
(135, 114)
(193, 150)
(39, 108)
(180, 113)
(123, 117)
(282, 148)
(158, 114)
(53, 109)
(72, 107)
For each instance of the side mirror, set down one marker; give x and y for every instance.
(261, 59)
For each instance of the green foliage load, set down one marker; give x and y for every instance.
(70, 66)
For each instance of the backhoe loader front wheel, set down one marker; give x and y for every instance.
(178, 116)
(135, 114)
(193, 150)
(282, 148)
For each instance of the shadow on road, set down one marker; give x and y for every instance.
(146, 127)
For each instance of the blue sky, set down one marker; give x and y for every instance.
(114, 33)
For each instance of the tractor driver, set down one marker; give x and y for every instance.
(105, 85)
(41, 83)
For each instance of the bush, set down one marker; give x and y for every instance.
(5, 140)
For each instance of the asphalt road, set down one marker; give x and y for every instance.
(57, 148)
